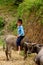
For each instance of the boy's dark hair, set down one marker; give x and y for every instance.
(20, 21)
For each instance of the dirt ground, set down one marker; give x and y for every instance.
(16, 59)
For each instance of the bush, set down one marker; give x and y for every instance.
(29, 6)
(2, 23)
(1, 42)
(12, 27)
(1, 33)
(17, 2)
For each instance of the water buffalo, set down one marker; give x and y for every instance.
(31, 48)
(35, 48)
(10, 41)
(39, 57)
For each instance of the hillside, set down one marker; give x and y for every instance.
(31, 11)
(8, 14)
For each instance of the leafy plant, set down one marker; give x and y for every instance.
(17, 2)
(29, 6)
(2, 23)
(13, 27)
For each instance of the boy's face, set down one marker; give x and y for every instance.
(18, 24)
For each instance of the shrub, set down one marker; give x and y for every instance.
(17, 2)
(2, 23)
(29, 6)
(12, 27)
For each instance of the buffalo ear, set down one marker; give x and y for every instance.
(38, 46)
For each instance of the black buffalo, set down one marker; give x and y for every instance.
(34, 48)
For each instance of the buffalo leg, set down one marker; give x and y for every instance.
(10, 55)
(25, 55)
(6, 52)
(9, 51)
(25, 52)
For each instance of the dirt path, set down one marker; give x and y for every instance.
(16, 59)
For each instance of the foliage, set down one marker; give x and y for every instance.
(6, 2)
(28, 6)
(2, 23)
(1, 33)
(13, 27)
(1, 42)
(17, 2)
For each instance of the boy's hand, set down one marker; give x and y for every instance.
(18, 35)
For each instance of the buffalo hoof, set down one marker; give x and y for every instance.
(7, 59)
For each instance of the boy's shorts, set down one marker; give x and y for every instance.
(19, 40)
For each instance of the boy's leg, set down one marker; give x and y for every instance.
(18, 49)
(18, 44)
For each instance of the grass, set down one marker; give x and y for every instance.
(22, 53)
(7, 6)
(1, 42)
(6, 2)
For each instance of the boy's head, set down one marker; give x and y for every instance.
(19, 22)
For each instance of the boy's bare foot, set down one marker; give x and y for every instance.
(18, 52)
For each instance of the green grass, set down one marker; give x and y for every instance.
(22, 53)
(29, 6)
(1, 42)
(6, 2)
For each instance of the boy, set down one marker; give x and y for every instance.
(20, 34)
